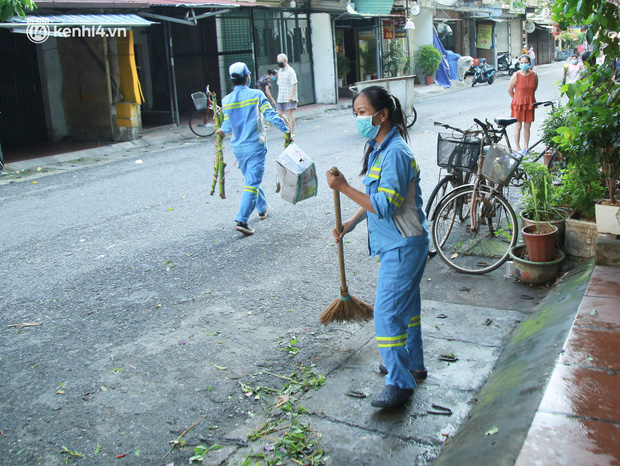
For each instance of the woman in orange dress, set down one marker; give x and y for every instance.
(521, 88)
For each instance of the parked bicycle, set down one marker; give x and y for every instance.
(458, 155)
(201, 122)
(474, 226)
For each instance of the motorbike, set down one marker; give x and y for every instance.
(514, 66)
(503, 61)
(485, 73)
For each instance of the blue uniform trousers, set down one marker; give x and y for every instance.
(252, 165)
(397, 313)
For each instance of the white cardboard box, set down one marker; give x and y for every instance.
(296, 176)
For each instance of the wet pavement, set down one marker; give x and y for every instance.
(578, 421)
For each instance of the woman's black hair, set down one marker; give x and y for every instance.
(381, 98)
(525, 55)
(239, 81)
(272, 72)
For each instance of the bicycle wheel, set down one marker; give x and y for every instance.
(479, 250)
(201, 123)
(411, 119)
(444, 186)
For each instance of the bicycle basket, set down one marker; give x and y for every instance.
(500, 164)
(457, 153)
(200, 100)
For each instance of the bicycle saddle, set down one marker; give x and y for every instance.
(505, 122)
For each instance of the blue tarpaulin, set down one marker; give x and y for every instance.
(443, 73)
(453, 61)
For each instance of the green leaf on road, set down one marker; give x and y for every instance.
(492, 431)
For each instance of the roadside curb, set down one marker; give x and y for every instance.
(500, 421)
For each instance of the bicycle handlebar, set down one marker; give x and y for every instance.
(462, 131)
(545, 103)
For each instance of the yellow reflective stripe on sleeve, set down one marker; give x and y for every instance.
(414, 166)
(250, 189)
(393, 196)
(372, 175)
(265, 107)
(387, 342)
(375, 169)
(414, 322)
(243, 103)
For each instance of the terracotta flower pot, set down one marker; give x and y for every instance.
(561, 224)
(429, 80)
(540, 242)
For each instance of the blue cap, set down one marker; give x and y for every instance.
(238, 70)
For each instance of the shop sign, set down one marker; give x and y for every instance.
(485, 36)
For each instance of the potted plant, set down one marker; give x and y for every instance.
(540, 200)
(578, 191)
(393, 58)
(556, 118)
(344, 68)
(540, 236)
(535, 273)
(608, 210)
(428, 59)
(591, 137)
(368, 59)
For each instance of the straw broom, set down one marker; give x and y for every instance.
(346, 308)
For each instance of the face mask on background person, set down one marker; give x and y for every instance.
(573, 61)
(525, 66)
(281, 64)
(365, 127)
(273, 78)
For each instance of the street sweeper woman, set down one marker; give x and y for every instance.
(244, 112)
(397, 234)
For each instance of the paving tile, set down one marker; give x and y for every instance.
(593, 348)
(605, 281)
(606, 313)
(556, 439)
(581, 391)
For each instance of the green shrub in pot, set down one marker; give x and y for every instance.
(428, 58)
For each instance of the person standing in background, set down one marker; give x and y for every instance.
(521, 88)
(532, 55)
(245, 111)
(574, 69)
(265, 82)
(287, 92)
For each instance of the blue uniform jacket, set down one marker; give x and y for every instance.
(245, 111)
(393, 183)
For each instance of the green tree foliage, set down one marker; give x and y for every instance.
(11, 8)
(591, 135)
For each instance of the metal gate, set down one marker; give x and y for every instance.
(22, 116)
(235, 44)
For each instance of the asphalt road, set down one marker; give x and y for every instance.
(154, 311)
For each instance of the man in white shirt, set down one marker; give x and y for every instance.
(287, 92)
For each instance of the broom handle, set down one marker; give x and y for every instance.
(343, 278)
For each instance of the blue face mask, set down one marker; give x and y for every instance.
(525, 66)
(365, 127)
(573, 61)
(273, 78)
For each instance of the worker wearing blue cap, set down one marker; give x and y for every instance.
(245, 111)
